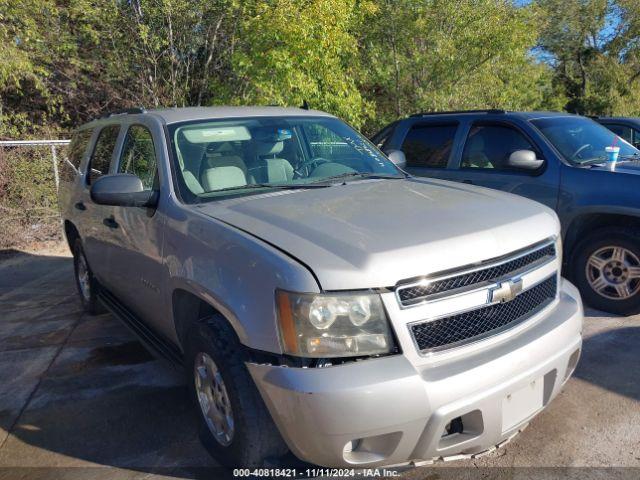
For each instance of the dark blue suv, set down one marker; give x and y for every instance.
(555, 158)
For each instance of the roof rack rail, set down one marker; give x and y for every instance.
(489, 110)
(124, 111)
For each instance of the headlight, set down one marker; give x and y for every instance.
(333, 325)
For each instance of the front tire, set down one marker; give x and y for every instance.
(235, 425)
(85, 281)
(606, 269)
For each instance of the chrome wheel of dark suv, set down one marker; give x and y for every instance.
(606, 269)
(614, 272)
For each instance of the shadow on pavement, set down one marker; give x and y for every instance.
(611, 360)
(78, 390)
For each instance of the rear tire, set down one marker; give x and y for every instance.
(606, 268)
(86, 283)
(238, 431)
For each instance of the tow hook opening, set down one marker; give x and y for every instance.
(371, 449)
(460, 429)
(454, 426)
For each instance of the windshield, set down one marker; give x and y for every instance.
(581, 140)
(241, 156)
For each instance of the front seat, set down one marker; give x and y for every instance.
(226, 176)
(277, 170)
(190, 159)
(476, 156)
(223, 169)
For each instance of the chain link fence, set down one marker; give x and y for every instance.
(28, 192)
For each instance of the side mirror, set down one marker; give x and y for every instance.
(524, 160)
(398, 158)
(122, 190)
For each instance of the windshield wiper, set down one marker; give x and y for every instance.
(603, 159)
(290, 186)
(249, 186)
(361, 175)
(593, 161)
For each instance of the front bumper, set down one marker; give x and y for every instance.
(394, 410)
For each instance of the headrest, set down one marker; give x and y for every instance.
(269, 148)
(476, 143)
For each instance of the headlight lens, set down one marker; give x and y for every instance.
(333, 325)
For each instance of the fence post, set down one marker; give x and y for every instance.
(55, 166)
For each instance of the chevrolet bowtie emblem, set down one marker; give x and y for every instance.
(505, 291)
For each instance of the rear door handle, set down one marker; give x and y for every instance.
(80, 206)
(110, 222)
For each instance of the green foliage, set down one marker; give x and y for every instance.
(367, 61)
(28, 201)
(594, 47)
(21, 74)
(303, 51)
(441, 55)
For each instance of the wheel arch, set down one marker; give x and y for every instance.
(589, 222)
(71, 233)
(188, 307)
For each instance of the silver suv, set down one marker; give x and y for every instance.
(321, 300)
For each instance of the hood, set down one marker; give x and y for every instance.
(374, 233)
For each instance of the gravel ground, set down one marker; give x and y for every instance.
(81, 394)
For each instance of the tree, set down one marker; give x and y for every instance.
(295, 51)
(593, 48)
(180, 49)
(440, 55)
(21, 75)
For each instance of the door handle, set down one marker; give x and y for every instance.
(467, 181)
(80, 206)
(110, 222)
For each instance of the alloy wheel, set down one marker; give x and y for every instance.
(84, 279)
(614, 272)
(213, 399)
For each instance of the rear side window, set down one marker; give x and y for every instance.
(138, 156)
(68, 166)
(489, 146)
(429, 145)
(102, 152)
(78, 146)
(624, 132)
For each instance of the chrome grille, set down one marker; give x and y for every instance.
(467, 327)
(422, 291)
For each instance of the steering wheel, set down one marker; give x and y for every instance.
(583, 147)
(310, 165)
